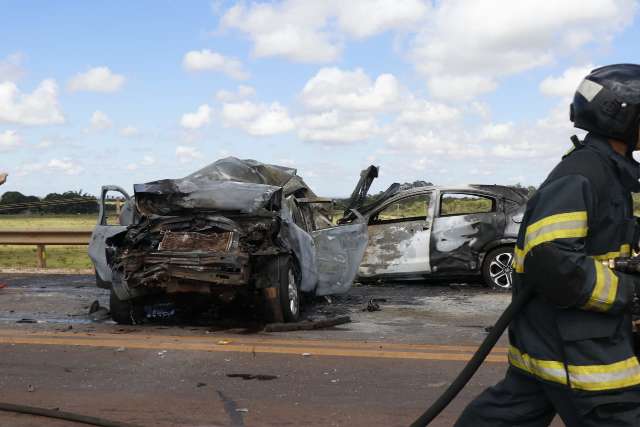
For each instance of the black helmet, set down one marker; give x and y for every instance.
(607, 103)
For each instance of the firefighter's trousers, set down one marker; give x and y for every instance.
(521, 401)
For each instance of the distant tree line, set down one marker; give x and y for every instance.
(69, 202)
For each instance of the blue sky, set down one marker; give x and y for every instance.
(462, 91)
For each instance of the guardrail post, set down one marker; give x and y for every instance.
(42, 256)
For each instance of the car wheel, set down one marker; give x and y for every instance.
(124, 312)
(497, 269)
(290, 295)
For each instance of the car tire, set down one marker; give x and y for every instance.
(290, 294)
(497, 270)
(124, 312)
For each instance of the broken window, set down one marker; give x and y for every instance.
(463, 204)
(407, 209)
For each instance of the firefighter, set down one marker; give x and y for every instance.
(571, 348)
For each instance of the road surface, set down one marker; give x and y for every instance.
(382, 369)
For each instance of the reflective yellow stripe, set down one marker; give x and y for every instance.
(605, 290)
(625, 373)
(625, 250)
(546, 369)
(560, 226)
(554, 219)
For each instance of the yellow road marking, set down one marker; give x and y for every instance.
(244, 345)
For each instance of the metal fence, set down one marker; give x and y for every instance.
(42, 238)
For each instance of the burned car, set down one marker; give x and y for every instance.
(236, 228)
(442, 232)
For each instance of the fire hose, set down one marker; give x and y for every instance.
(622, 264)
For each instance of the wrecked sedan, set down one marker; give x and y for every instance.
(443, 233)
(236, 229)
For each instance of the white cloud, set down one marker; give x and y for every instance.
(466, 46)
(566, 84)
(350, 90)
(314, 31)
(336, 127)
(496, 131)
(294, 29)
(148, 161)
(186, 154)
(198, 119)
(97, 79)
(421, 111)
(100, 121)
(129, 131)
(66, 166)
(40, 107)
(9, 140)
(515, 151)
(206, 60)
(243, 92)
(366, 18)
(11, 68)
(257, 119)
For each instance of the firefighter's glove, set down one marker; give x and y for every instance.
(555, 274)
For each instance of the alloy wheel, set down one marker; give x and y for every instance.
(501, 270)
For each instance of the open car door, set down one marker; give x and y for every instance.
(105, 228)
(339, 249)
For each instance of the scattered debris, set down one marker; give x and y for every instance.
(100, 314)
(201, 385)
(27, 321)
(306, 354)
(372, 306)
(3, 285)
(120, 349)
(95, 306)
(162, 353)
(259, 377)
(307, 325)
(243, 410)
(488, 329)
(223, 342)
(31, 388)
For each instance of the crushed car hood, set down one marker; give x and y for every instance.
(229, 184)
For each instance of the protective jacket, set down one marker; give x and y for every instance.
(577, 330)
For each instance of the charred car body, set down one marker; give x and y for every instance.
(442, 232)
(234, 228)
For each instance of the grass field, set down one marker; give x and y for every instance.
(68, 257)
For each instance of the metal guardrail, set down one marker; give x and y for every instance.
(42, 238)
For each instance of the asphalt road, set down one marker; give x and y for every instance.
(382, 369)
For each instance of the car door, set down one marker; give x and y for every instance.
(339, 251)
(108, 225)
(466, 222)
(399, 234)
